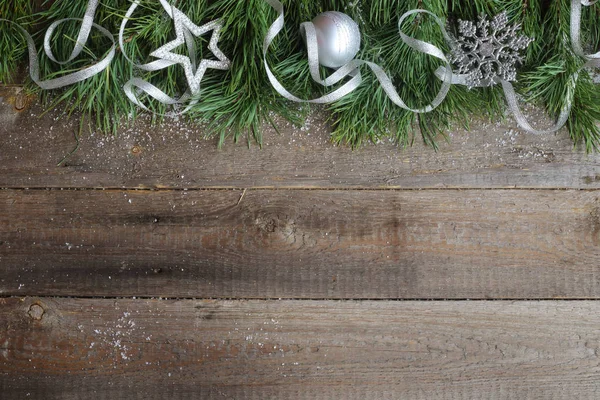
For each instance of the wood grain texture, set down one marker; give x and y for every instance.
(301, 244)
(151, 349)
(177, 156)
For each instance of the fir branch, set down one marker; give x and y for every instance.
(368, 114)
(239, 105)
(236, 103)
(12, 48)
(552, 83)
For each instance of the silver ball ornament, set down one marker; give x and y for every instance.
(338, 37)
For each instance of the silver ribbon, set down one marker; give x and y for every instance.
(352, 69)
(82, 38)
(445, 74)
(137, 86)
(593, 60)
(513, 102)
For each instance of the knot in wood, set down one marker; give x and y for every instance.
(281, 229)
(268, 225)
(36, 312)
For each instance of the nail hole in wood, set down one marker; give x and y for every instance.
(21, 101)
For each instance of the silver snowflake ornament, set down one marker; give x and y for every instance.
(488, 49)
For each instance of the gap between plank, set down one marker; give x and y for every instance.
(270, 299)
(293, 188)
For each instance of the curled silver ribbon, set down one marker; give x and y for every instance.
(352, 69)
(593, 60)
(513, 102)
(445, 74)
(82, 38)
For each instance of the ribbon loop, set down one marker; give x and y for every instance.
(82, 37)
(313, 61)
(593, 60)
(70, 79)
(352, 69)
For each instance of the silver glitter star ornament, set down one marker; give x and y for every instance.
(488, 49)
(185, 28)
(186, 32)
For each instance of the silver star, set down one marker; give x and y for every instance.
(183, 27)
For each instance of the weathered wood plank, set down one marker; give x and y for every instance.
(301, 244)
(176, 156)
(152, 349)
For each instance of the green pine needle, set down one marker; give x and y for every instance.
(235, 104)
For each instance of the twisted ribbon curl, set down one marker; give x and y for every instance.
(593, 60)
(445, 74)
(87, 23)
(352, 69)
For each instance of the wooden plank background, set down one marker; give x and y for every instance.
(299, 349)
(301, 244)
(302, 269)
(176, 156)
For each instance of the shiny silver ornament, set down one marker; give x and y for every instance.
(489, 49)
(338, 38)
(186, 31)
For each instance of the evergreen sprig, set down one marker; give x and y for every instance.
(552, 83)
(235, 104)
(12, 50)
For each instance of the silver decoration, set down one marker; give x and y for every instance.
(470, 80)
(445, 74)
(486, 50)
(593, 61)
(352, 68)
(509, 91)
(87, 23)
(338, 37)
(185, 30)
(194, 76)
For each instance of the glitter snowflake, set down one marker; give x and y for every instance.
(488, 49)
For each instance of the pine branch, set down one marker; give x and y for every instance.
(12, 48)
(551, 83)
(235, 104)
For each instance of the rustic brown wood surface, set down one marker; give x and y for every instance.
(140, 349)
(301, 244)
(157, 213)
(176, 155)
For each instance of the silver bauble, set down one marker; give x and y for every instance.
(338, 37)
